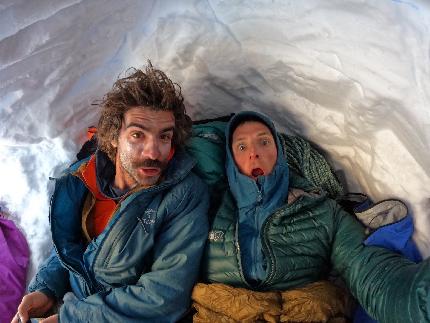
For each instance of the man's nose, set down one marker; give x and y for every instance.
(151, 149)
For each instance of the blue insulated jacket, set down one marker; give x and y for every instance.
(255, 200)
(142, 267)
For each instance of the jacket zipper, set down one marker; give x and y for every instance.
(87, 281)
(266, 244)
(239, 257)
(268, 250)
(254, 242)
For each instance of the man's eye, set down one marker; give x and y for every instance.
(136, 135)
(241, 147)
(166, 137)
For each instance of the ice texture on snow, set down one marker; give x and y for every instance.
(353, 76)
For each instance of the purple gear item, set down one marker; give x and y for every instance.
(14, 257)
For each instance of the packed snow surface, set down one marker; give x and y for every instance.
(352, 76)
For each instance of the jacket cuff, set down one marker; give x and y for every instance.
(48, 292)
(38, 287)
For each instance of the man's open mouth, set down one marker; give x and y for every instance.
(149, 171)
(257, 172)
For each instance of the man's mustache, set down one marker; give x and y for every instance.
(153, 163)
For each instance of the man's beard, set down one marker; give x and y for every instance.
(131, 168)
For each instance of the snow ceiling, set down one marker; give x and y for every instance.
(352, 76)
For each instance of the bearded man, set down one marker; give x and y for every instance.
(127, 225)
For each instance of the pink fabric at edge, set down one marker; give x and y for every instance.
(14, 257)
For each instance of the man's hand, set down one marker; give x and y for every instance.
(34, 304)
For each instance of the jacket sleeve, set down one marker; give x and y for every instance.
(163, 293)
(51, 278)
(389, 287)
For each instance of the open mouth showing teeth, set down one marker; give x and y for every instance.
(257, 172)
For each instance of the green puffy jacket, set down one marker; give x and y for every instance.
(306, 238)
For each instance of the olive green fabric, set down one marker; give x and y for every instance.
(303, 158)
(317, 302)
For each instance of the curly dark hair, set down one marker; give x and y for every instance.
(150, 89)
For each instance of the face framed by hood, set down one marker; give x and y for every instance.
(273, 183)
(254, 149)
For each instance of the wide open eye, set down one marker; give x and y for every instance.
(241, 147)
(265, 141)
